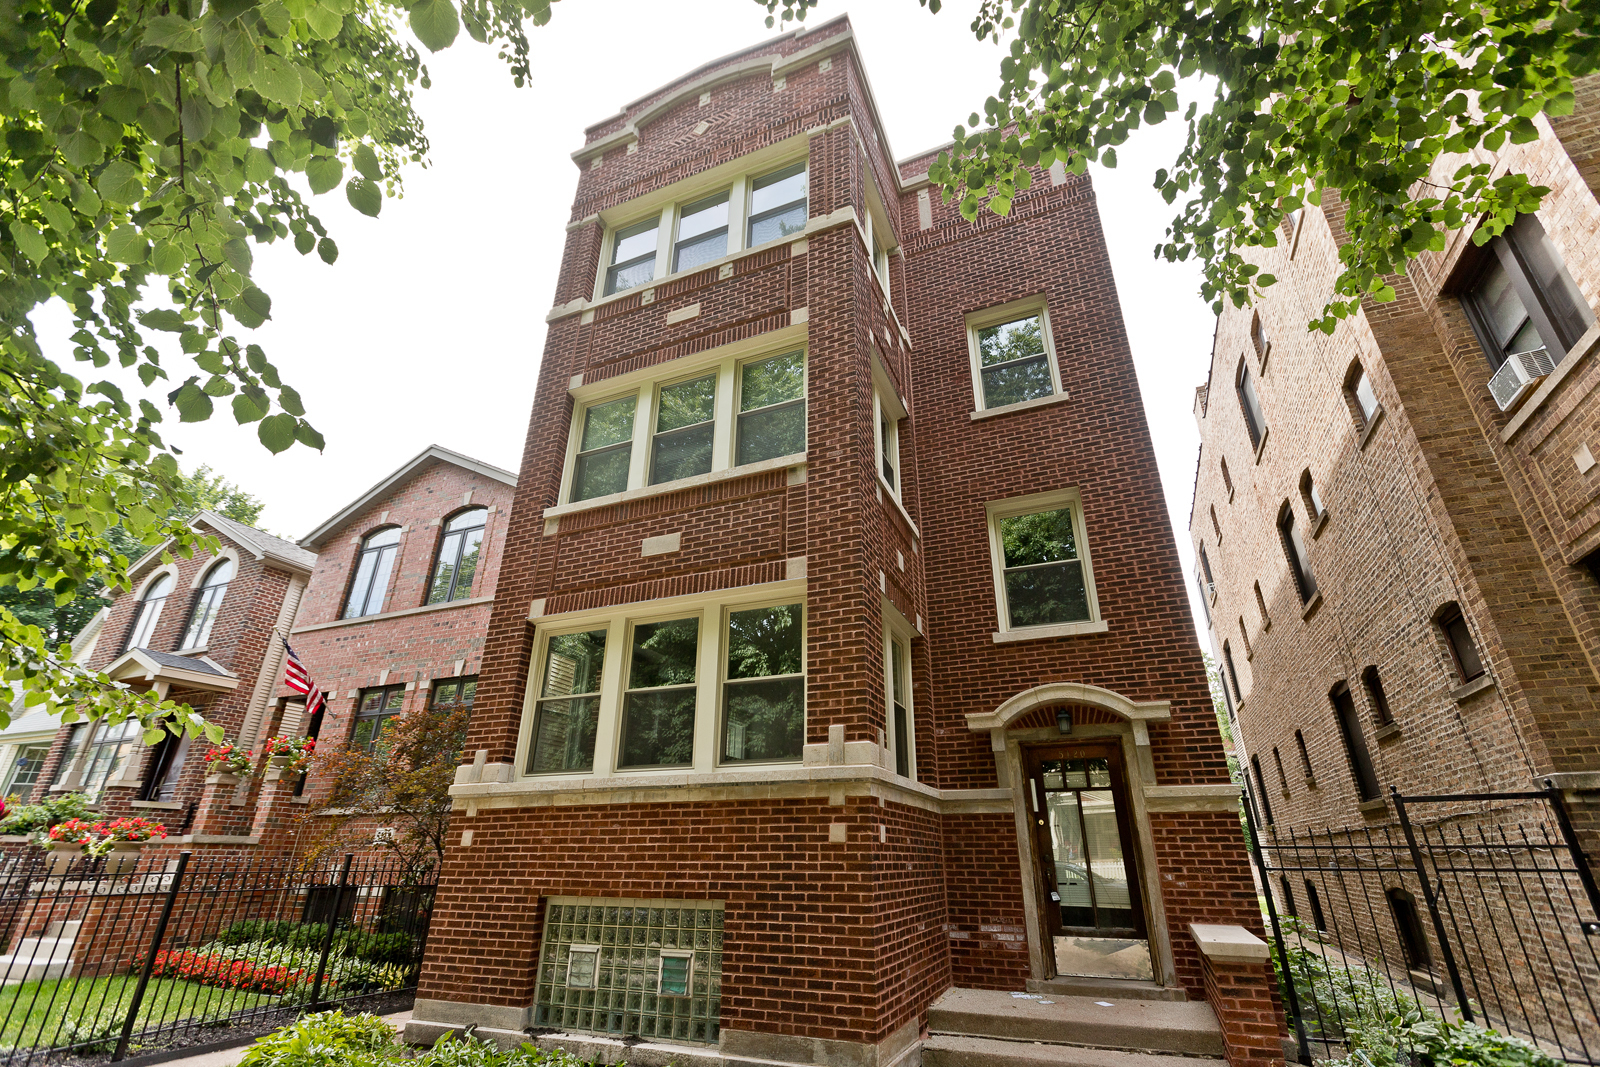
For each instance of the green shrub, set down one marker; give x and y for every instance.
(375, 948)
(276, 931)
(457, 1050)
(95, 1033)
(326, 1039)
(37, 818)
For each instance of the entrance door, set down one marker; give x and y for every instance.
(1093, 910)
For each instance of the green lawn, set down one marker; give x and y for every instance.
(36, 1013)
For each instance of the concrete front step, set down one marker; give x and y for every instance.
(956, 1050)
(1106, 988)
(65, 929)
(1182, 1028)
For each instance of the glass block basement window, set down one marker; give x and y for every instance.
(631, 968)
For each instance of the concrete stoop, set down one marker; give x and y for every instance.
(35, 959)
(988, 1028)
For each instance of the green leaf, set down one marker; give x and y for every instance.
(126, 244)
(327, 250)
(278, 80)
(195, 117)
(435, 22)
(306, 434)
(364, 196)
(324, 23)
(277, 432)
(237, 252)
(304, 242)
(164, 319)
(365, 160)
(30, 240)
(258, 164)
(60, 216)
(257, 301)
(119, 183)
(192, 404)
(325, 172)
(289, 400)
(81, 149)
(173, 34)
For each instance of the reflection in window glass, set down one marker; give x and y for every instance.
(633, 257)
(372, 573)
(110, 749)
(1043, 569)
(889, 449)
(458, 557)
(150, 612)
(25, 770)
(1012, 362)
(376, 708)
(658, 709)
(604, 449)
(75, 738)
(1366, 399)
(702, 233)
(685, 422)
(899, 691)
(569, 704)
(208, 604)
(777, 205)
(1254, 422)
(772, 408)
(764, 700)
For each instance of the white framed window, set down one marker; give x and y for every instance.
(726, 414)
(148, 613)
(1013, 354)
(717, 681)
(888, 443)
(901, 734)
(1044, 582)
(710, 224)
(880, 238)
(208, 604)
(674, 972)
(583, 966)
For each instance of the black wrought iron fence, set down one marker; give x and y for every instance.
(1483, 910)
(115, 959)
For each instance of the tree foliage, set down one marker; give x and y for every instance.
(1378, 102)
(404, 779)
(149, 147)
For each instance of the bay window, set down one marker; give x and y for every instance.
(718, 682)
(730, 413)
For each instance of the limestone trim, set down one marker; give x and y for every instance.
(385, 615)
(1052, 693)
(1228, 944)
(1040, 633)
(1191, 797)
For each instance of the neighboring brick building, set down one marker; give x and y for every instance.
(199, 631)
(396, 610)
(798, 628)
(1397, 533)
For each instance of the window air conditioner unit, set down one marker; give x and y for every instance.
(1517, 375)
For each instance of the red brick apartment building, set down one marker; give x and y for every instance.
(840, 669)
(1398, 526)
(387, 604)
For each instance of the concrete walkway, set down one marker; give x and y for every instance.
(228, 1057)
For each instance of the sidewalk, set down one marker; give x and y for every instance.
(228, 1057)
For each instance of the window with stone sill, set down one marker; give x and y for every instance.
(1294, 551)
(1013, 354)
(684, 235)
(633, 692)
(109, 749)
(374, 564)
(728, 414)
(1305, 755)
(375, 711)
(901, 734)
(1043, 577)
(1255, 422)
(455, 563)
(1523, 299)
(1358, 394)
(24, 771)
(1463, 649)
(884, 413)
(1264, 801)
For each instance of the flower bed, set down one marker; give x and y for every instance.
(224, 969)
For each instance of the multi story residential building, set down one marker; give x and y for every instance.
(1396, 525)
(840, 653)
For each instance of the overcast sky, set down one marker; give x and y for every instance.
(429, 328)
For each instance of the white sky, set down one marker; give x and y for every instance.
(430, 327)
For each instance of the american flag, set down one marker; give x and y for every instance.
(296, 677)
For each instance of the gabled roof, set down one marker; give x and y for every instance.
(433, 453)
(258, 543)
(189, 672)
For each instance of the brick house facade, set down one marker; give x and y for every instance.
(838, 542)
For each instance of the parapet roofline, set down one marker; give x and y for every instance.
(695, 82)
(432, 452)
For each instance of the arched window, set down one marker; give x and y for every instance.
(1250, 404)
(208, 604)
(1358, 394)
(373, 567)
(144, 622)
(457, 560)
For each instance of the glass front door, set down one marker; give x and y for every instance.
(1093, 911)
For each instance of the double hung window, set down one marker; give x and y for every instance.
(1355, 743)
(144, 622)
(888, 415)
(898, 665)
(658, 708)
(24, 770)
(1013, 355)
(568, 706)
(373, 714)
(1524, 299)
(1255, 423)
(720, 686)
(750, 210)
(729, 414)
(1359, 387)
(778, 205)
(208, 604)
(457, 561)
(373, 567)
(764, 694)
(1041, 565)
